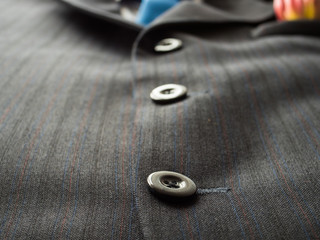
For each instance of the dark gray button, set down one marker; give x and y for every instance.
(168, 45)
(168, 92)
(171, 184)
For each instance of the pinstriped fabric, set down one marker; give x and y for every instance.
(226, 142)
(193, 211)
(257, 224)
(135, 147)
(129, 142)
(302, 116)
(294, 197)
(265, 134)
(183, 166)
(79, 134)
(11, 220)
(303, 202)
(42, 123)
(37, 130)
(80, 137)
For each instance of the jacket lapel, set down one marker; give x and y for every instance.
(246, 11)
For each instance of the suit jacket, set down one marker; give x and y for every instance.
(79, 134)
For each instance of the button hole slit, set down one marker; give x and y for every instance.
(203, 191)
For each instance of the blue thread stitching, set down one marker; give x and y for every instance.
(202, 191)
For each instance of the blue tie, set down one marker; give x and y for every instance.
(151, 9)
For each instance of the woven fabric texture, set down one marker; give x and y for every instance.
(79, 134)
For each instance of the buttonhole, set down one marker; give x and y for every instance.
(202, 191)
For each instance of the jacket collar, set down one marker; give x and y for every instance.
(103, 9)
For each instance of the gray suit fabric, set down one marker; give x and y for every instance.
(79, 134)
